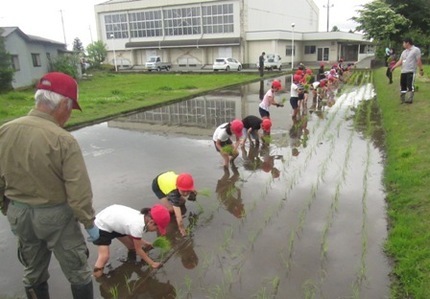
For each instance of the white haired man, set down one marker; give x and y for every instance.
(45, 189)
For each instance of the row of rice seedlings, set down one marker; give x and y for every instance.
(222, 290)
(228, 236)
(335, 202)
(309, 289)
(321, 173)
(361, 275)
(269, 291)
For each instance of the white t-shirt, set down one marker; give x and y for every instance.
(221, 133)
(121, 219)
(293, 92)
(265, 102)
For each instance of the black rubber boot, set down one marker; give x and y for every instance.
(83, 291)
(40, 291)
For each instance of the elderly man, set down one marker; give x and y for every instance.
(45, 189)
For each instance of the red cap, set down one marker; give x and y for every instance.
(185, 182)
(276, 84)
(297, 78)
(237, 127)
(266, 124)
(161, 217)
(62, 84)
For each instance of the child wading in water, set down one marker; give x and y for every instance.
(127, 225)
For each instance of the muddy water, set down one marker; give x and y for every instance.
(303, 218)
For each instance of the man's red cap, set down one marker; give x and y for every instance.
(62, 84)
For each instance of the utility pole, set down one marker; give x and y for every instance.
(328, 6)
(64, 31)
(91, 34)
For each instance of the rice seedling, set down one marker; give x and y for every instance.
(127, 283)
(204, 192)
(163, 244)
(262, 294)
(114, 291)
(188, 282)
(227, 149)
(228, 236)
(309, 289)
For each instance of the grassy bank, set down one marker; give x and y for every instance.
(407, 177)
(105, 95)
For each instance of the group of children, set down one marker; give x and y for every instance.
(173, 190)
(128, 225)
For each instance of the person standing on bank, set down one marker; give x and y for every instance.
(269, 99)
(261, 64)
(45, 189)
(127, 225)
(224, 144)
(409, 60)
(173, 191)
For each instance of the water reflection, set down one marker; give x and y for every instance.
(183, 247)
(202, 113)
(229, 194)
(261, 90)
(299, 134)
(134, 280)
(257, 158)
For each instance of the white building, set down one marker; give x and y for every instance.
(191, 33)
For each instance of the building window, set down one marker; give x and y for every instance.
(146, 24)
(323, 54)
(289, 52)
(36, 59)
(15, 62)
(218, 18)
(182, 21)
(116, 26)
(310, 49)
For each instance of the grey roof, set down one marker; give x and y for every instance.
(184, 43)
(6, 31)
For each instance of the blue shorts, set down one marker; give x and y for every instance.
(294, 101)
(107, 237)
(264, 113)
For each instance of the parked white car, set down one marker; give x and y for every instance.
(226, 64)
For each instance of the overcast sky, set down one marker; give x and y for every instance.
(45, 18)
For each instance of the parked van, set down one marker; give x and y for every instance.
(154, 63)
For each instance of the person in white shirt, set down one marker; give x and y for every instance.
(127, 225)
(224, 144)
(269, 99)
(409, 60)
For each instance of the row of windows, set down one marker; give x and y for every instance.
(35, 58)
(179, 21)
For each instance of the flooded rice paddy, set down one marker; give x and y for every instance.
(302, 218)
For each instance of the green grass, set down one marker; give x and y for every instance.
(106, 95)
(407, 180)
